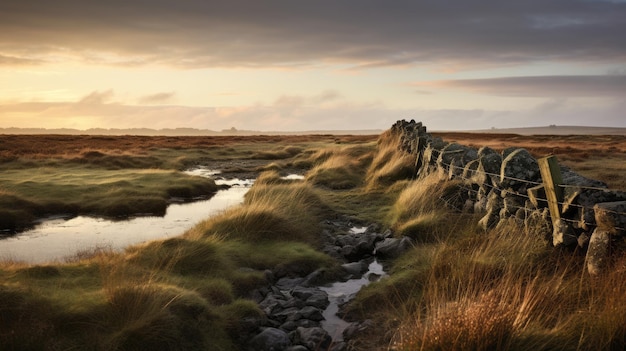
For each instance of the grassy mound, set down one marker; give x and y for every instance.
(283, 212)
(389, 164)
(340, 167)
(85, 190)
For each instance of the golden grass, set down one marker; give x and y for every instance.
(459, 288)
(389, 165)
(503, 290)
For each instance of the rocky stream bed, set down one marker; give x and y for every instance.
(303, 311)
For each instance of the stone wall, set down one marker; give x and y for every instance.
(507, 187)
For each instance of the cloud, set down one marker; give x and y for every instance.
(158, 98)
(18, 61)
(359, 33)
(539, 86)
(97, 98)
(298, 113)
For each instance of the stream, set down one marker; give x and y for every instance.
(61, 237)
(342, 292)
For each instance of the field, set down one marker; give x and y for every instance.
(458, 288)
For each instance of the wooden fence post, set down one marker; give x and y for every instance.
(551, 175)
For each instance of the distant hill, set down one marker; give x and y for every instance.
(556, 130)
(548, 130)
(177, 132)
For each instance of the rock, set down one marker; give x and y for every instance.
(597, 253)
(583, 240)
(355, 269)
(469, 172)
(285, 314)
(271, 302)
(488, 171)
(292, 302)
(313, 338)
(587, 199)
(392, 247)
(563, 234)
(315, 278)
(611, 216)
(288, 283)
(339, 346)
(537, 196)
(350, 252)
(307, 312)
(522, 166)
(493, 207)
(297, 348)
(270, 339)
(447, 155)
(570, 177)
(303, 293)
(355, 329)
(510, 203)
(319, 300)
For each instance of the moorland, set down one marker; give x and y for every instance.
(458, 288)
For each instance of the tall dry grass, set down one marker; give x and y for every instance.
(422, 208)
(283, 212)
(389, 164)
(339, 167)
(506, 291)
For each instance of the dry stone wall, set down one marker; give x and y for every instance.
(507, 186)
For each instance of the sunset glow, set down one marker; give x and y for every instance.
(324, 65)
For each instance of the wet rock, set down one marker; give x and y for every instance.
(288, 283)
(285, 314)
(297, 348)
(270, 339)
(271, 302)
(350, 252)
(313, 338)
(319, 300)
(393, 247)
(315, 278)
(355, 269)
(292, 302)
(307, 312)
(292, 325)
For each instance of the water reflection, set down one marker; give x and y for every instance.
(341, 292)
(57, 238)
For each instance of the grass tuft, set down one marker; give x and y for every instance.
(390, 164)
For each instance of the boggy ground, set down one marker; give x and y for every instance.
(117, 176)
(458, 288)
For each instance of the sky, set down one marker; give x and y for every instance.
(289, 65)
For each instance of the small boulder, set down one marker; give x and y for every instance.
(270, 339)
(597, 253)
(393, 247)
(313, 338)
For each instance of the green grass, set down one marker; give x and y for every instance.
(176, 294)
(27, 193)
(459, 288)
